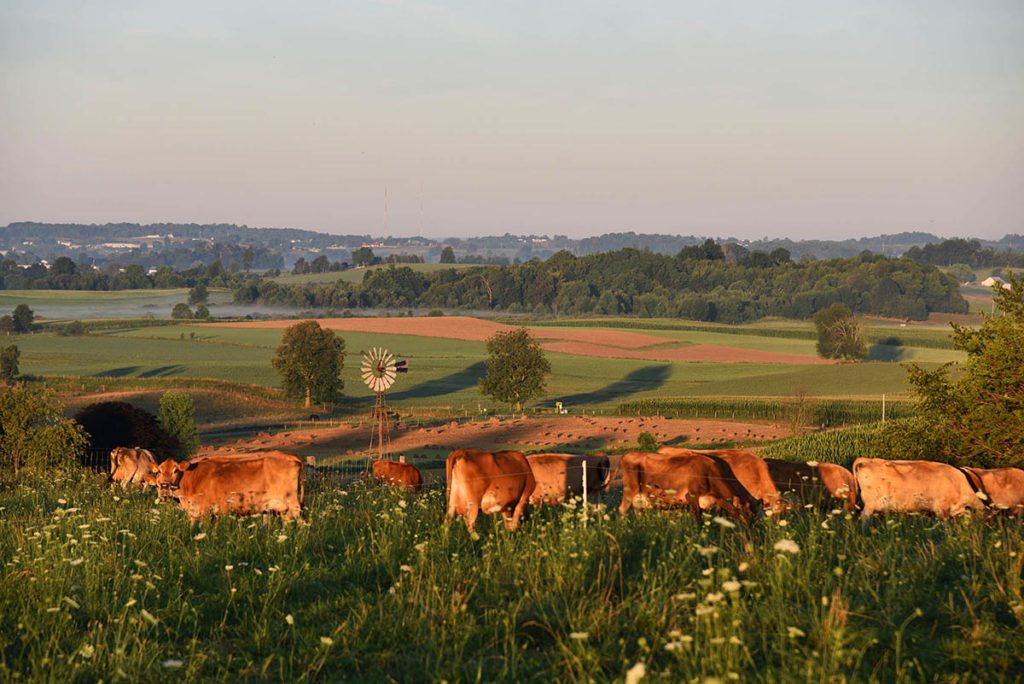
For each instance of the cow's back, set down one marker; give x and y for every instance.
(747, 469)
(913, 486)
(404, 475)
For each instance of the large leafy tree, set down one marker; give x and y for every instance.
(23, 317)
(516, 368)
(177, 418)
(839, 334)
(975, 414)
(9, 363)
(34, 432)
(309, 362)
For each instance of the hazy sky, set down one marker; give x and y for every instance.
(803, 119)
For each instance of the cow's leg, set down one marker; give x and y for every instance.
(472, 511)
(627, 501)
(517, 514)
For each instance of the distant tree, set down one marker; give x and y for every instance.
(198, 294)
(516, 368)
(9, 364)
(363, 256)
(177, 418)
(202, 312)
(248, 256)
(976, 416)
(23, 318)
(447, 255)
(181, 310)
(73, 328)
(35, 432)
(647, 442)
(63, 266)
(320, 265)
(309, 362)
(7, 324)
(839, 334)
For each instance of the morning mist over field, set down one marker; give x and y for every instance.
(747, 119)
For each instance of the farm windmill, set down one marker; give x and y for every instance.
(379, 370)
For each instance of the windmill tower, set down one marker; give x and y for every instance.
(379, 370)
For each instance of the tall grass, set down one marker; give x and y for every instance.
(373, 585)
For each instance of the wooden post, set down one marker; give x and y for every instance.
(883, 409)
(584, 462)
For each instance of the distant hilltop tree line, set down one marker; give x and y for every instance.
(187, 245)
(698, 283)
(65, 274)
(967, 252)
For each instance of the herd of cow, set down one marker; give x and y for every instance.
(738, 482)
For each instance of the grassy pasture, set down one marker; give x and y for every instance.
(373, 586)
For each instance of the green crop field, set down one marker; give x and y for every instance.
(442, 372)
(85, 304)
(373, 585)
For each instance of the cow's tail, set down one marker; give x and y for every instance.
(976, 485)
(448, 466)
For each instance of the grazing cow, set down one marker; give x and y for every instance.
(824, 485)
(560, 476)
(130, 466)
(1003, 486)
(404, 475)
(915, 486)
(260, 483)
(748, 470)
(491, 482)
(695, 480)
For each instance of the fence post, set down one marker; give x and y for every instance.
(584, 463)
(883, 409)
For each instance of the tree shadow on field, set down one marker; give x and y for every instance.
(163, 371)
(639, 380)
(122, 372)
(449, 384)
(886, 351)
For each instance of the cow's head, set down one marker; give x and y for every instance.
(117, 457)
(166, 476)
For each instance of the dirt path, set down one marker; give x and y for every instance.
(570, 433)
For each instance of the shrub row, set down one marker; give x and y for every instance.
(824, 412)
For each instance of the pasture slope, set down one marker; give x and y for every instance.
(374, 586)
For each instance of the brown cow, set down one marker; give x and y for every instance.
(692, 479)
(1004, 488)
(748, 470)
(824, 485)
(404, 475)
(560, 476)
(265, 482)
(914, 486)
(491, 482)
(130, 466)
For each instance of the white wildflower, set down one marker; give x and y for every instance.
(744, 566)
(229, 568)
(724, 522)
(636, 673)
(200, 536)
(71, 602)
(735, 640)
(87, 650)
(579, 636)
(148, 617)
(326, 641)
(714, 597)
(787, 545)
(78, 561)
(281, 538)
(172, 663)
(289, 619)
(795, 632)
(731, 585)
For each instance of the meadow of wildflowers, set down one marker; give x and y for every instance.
(373, 585)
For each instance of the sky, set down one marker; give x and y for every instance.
(745, 118)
